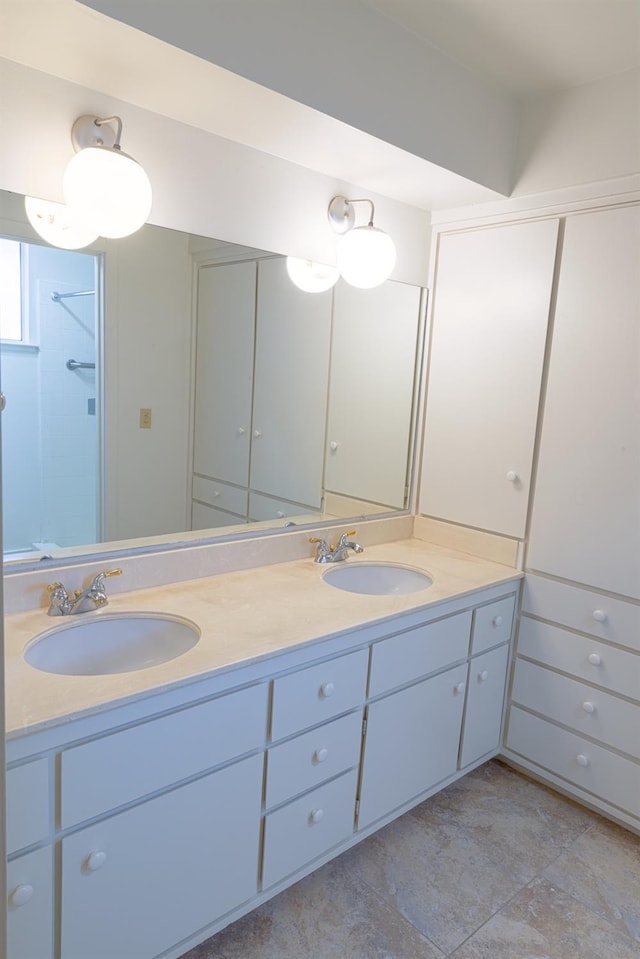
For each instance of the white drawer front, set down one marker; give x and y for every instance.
(612, 721)
(311, 696)
(306, 828)
(220, 495)
(313, 757)
(492, 624)
(124, 766)
(30, 906)
(418, 652)
(266, 507)
(581, 657)
(591, 767)
(600, 616)
(27, 804)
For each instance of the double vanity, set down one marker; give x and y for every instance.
(298, 708)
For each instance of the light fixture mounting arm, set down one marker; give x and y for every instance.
(342, 215)
(93, 131)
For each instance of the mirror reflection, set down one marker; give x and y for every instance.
(166, 382)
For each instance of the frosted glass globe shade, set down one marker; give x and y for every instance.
(57, 224)
(109, 189)
(310, 276)
(366, 256)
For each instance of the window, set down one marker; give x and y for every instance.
(11, 315)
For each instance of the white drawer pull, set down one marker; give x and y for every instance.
(588, 707)
(316, 816)
(600, 615)
(95, 861)
(594, 659)
(320, 755)
(459, 688)
(497, 621)
(483, 676)
(21, 895)
(327, 689)
(512, 476)
(582, 760)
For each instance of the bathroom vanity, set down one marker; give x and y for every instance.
(149, 809)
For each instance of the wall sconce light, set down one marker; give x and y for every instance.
(310, 276)
(56, 224)
(104, 187)
(366, 255)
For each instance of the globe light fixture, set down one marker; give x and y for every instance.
(57, 224)
(104, 187)
(310, 276)
(366, 255)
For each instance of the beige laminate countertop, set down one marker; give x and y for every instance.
(244, 617)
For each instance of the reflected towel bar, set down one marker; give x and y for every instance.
(56, 297)
(77, 365)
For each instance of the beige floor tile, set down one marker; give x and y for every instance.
(328, 915)
(602, 871)
(543, 922)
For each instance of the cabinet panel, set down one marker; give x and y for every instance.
(30, 906)
(411, 743)
(485, 702)
(220, 495)
(492, 624)
(135, 884)
(592, 767)
(27, 804)
(586, 514)
(404, 658)
(268, 507)
(207, 517)
(108, 772)
(491, 301)
(306, 828)
(311, 696)
(592, 712)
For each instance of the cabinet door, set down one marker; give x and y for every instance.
(373, 361)
(290, 390)
(30, 906)
(139, 882)
(485, 703)
(224, 371)
(411, 743)
(490, 314)
(586, 512)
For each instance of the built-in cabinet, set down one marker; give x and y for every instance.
(142, 831)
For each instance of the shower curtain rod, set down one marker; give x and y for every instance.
(56, 297)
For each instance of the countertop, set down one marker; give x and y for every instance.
(243, 616)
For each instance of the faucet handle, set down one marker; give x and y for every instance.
(343, 538)
(100, 578)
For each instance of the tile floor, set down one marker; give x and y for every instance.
(494, 867)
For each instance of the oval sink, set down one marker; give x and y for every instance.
(111, 643)
(379, 579)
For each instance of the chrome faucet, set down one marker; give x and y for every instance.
(93, 597)
(338, 553)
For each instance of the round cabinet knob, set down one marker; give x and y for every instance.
(216, 493)
(333, 446)
(497, 621)
(594, 659)
(21, 895)
(95, 861)
(459, 688)
(600, 615)
(320, 755)
(241, 431)
(316, 816)
(512, 476)
(257, 434)
(327, 689)
(582, 760)
(483, 676)
(588, 707)
(279, 513)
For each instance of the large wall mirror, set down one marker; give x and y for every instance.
(168, 387)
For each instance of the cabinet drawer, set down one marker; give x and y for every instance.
(126, 765)
(306, 828)
(30, 906)
(612, 721)
(311, 696)
(27, 804)
(220, 495)
(313, 757)
(492, 624)
(485, 704)
(583, 658)
(418, 652)
(602, 616)
(591, 767)
(266, 507)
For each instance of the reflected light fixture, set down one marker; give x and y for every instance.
(109, 189)
(57, 224)
(366, 255)
(310, 276)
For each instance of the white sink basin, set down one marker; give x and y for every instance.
(111, 643)
(379, 579)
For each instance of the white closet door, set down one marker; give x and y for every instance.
(586, 514)
(491, 307)
(373, 355)
(224, 371)
(290, 387)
